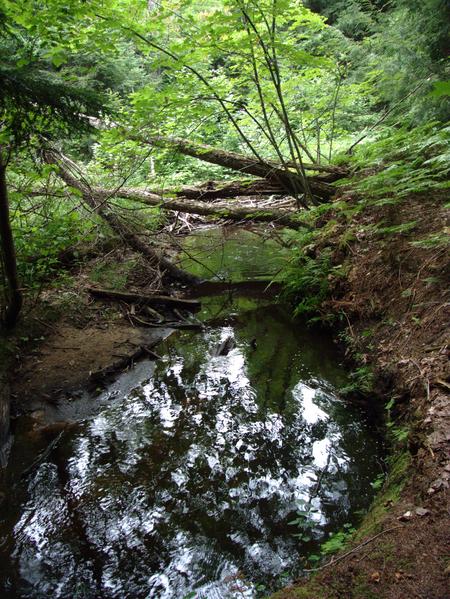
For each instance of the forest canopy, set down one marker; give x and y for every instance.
(162, 94)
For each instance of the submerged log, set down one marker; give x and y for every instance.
(98, 202)
(291, 181)
(144, 299)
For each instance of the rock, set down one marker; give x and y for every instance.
(405, 517)
(421, 511)
(225, 347)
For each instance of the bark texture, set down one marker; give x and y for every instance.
(14, 300)
(289, 180)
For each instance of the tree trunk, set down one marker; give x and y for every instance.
(98, 202)
(15, 300)
(264, 215)
(145, 299)
(218, 190)
(244, 164)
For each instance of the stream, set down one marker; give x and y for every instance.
(184, 480)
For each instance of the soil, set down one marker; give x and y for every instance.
(395, 303)
(70, 355)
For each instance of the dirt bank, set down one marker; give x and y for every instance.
(394, 300)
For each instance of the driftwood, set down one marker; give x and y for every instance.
(289, 180)
(99, 204)
(150, 300)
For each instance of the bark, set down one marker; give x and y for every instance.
(271, 171)
(214, 190)
(98, 202)
(278, 217)
(149, 300)
(15, 298)
(97, 198)
(4, 419)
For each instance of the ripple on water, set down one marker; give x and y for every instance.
(188, 482)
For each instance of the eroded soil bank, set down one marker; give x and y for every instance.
(394, 300)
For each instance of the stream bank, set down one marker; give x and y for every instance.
(407, 344)
(393, 301)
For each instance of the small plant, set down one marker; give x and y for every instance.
(378, 482)
(362, 381)
(304, 520)
(337, 540)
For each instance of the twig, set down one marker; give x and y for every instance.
(340, 558)
(43, 455)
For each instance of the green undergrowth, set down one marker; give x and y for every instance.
(401, 162)
(112, 275)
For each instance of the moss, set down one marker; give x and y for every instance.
(389, 494)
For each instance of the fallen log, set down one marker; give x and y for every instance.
(101, 376)
(144, 299)
(291, 181)
(166, 324)
(99, 204)
(237, 213)
(215, 190)
(97, 198)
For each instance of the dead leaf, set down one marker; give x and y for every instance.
(375, 577)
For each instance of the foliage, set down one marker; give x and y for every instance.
(41, 241)
(362, 381)
(337, 540)
(403, 161)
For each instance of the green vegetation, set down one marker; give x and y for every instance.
(357, 83)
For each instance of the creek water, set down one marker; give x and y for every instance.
(185, 479)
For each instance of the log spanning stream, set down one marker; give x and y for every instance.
(184, 480)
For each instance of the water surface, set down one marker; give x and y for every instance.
(183, 481)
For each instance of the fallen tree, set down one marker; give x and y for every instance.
(98, 203)
(144, 299)
(289, 180)
(98, 197)
(237, 213)
(218, 190)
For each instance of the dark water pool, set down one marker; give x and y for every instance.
(184, 481)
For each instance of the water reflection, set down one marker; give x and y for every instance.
(184, 486)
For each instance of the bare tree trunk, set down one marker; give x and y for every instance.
(264, 215)
(219, 190)
(15, 298)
